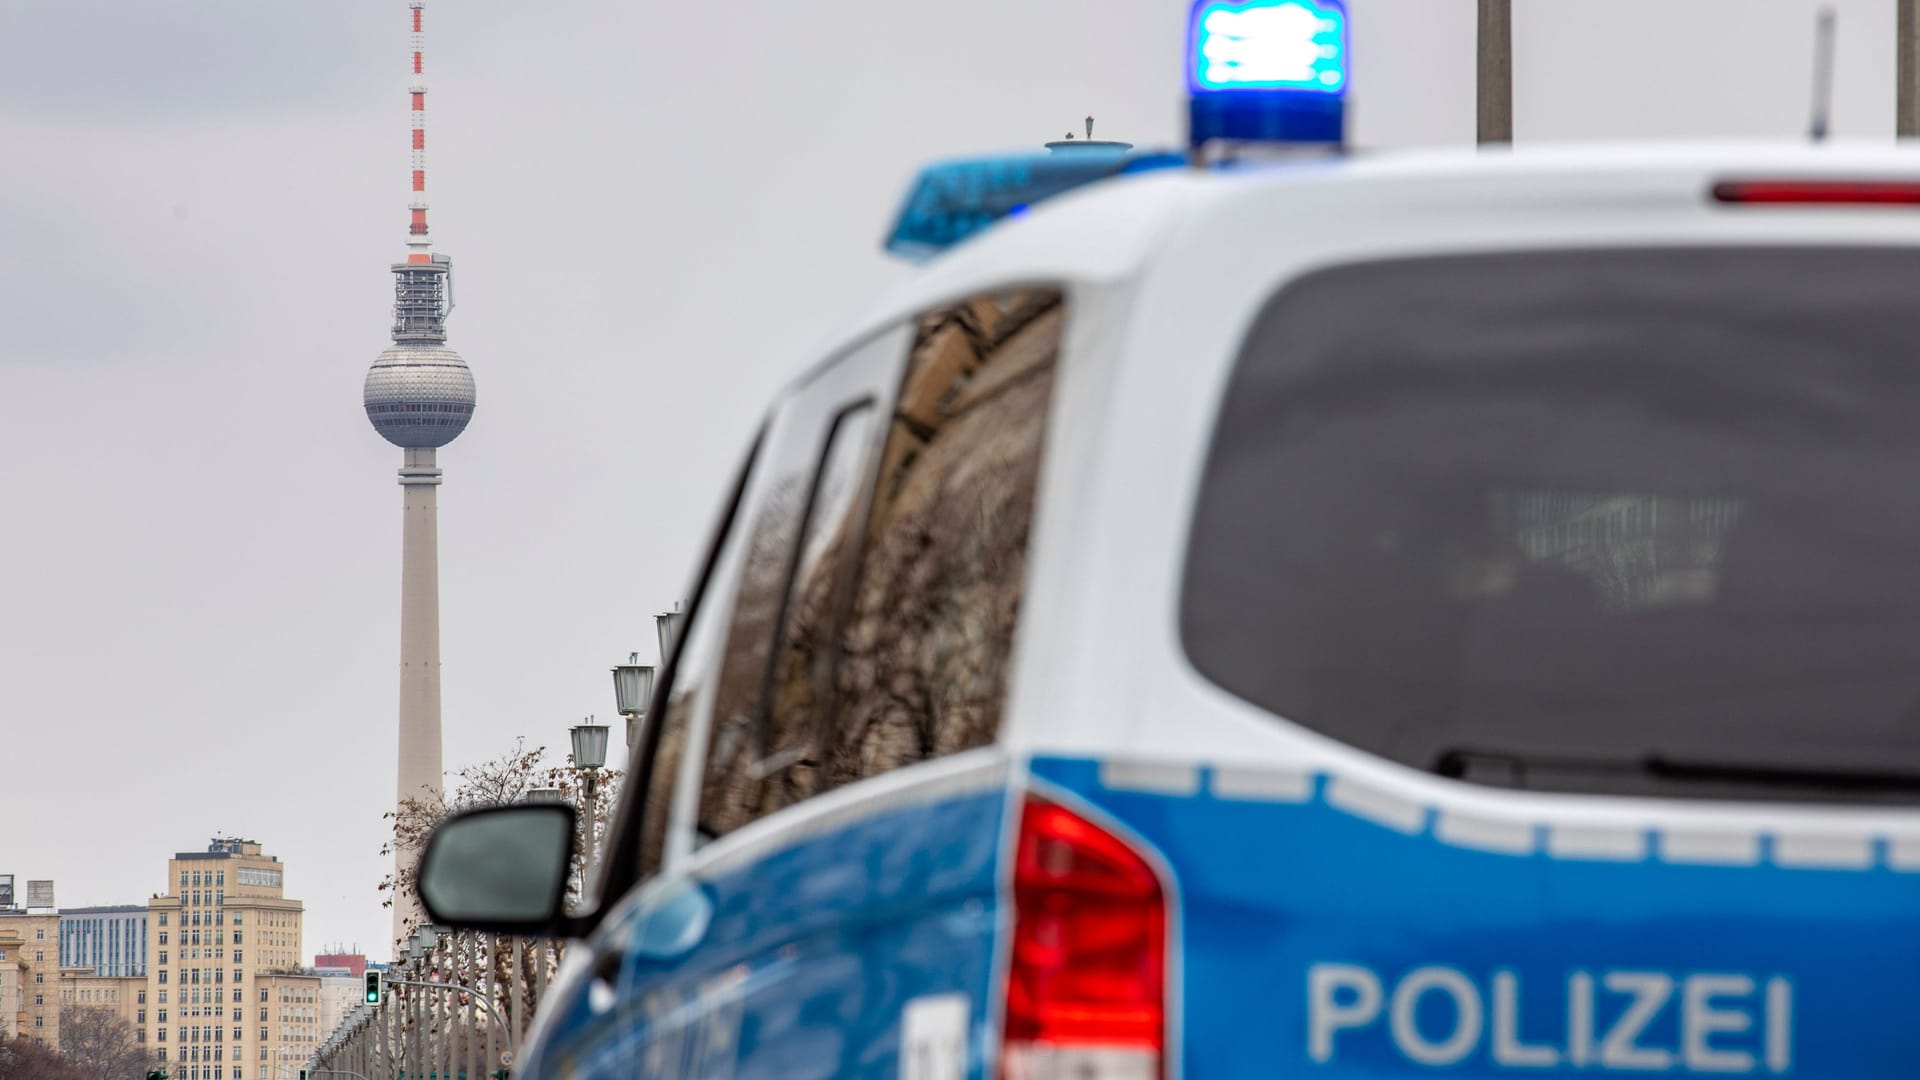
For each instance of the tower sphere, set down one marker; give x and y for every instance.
(419, 396)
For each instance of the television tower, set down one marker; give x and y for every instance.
(419, 395)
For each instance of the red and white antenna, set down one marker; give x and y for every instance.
(419, 247)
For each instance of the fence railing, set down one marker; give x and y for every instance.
(455, 1008)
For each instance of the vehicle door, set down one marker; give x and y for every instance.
(832, 846)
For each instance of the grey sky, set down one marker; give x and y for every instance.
(654, 209)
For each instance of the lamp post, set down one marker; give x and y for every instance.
(632, 690)
(668, 624)
(589, 756)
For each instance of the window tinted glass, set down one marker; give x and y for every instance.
(929, 626)
(759, 757)
(1564, 520)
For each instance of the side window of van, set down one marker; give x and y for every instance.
(925, 645)
(875, 611)
(774, 674)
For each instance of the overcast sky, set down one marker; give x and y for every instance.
(655, 210)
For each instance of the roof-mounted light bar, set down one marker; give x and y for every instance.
(953, 200)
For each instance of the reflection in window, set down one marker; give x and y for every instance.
(925, 648)
(1635, 551)
(761, 755)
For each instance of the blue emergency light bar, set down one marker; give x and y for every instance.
(953, 200)
(1267, 71)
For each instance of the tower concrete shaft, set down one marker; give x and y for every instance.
(419, 748)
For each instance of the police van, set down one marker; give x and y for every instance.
(1352, 616)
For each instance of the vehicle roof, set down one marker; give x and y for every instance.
(1108, 231)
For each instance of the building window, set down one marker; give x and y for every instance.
(39, 1021)
(236, 971)
(222, 878)
(39, 977)
(163, 1016)
(236, 998)
(40, 933)
(236, 933)
(39, 999)
(263, 993)
(163, 956)
(163, 922)
(143, 997)
(239, 957)
(39, 957)
(163, 979)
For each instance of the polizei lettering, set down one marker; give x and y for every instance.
(1720, 1023)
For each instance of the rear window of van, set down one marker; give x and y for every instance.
(1628, 520)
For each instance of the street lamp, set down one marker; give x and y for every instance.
(632, 690)
(589, 756)
(668, 625)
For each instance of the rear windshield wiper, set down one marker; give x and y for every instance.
(1519, 769)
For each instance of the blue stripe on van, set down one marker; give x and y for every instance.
(811, 954)
(1295, 911)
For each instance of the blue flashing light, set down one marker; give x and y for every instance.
(1267, 70)
(1298, 45)
(954, 200)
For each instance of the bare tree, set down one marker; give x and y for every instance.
(24, 1058)
(500, 781)
(100, 1044)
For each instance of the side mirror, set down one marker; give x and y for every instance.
(500, 868)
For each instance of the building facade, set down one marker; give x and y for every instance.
(288, 1021)
(123, 995)
(110, 940)
(15, 977)
(342, 985)
(30, 940)
(222, 941)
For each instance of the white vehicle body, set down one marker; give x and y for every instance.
(1162, 277)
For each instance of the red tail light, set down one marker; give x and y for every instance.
(1086, 991)
(1829, 192)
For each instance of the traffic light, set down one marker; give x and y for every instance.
(373, 988)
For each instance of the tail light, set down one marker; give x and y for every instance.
(1819, 192)
(1086, 990)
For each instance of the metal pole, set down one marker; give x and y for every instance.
(417, 1047)
(1495, 96)
(1907, 52)
(593, 776)
(514, 981)
(491, 981)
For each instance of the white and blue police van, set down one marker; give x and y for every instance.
(1356, 616)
